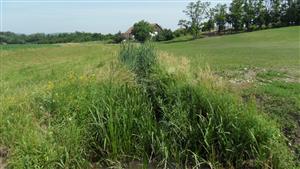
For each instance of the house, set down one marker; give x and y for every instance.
(129, 34)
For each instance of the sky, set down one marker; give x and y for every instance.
(101, 16)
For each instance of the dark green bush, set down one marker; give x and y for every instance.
(180, 32)
(118, 38)
(164, 35)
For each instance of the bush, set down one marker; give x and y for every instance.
(180, 32)
(118, 38)
(164, 35)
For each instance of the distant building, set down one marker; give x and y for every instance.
(129, 34)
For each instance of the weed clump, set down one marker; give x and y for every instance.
(141, 60)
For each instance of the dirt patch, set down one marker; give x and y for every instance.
(290, 79)
(3, 157)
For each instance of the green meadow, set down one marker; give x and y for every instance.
(275, 48)
(229, 101)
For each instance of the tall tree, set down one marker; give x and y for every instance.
(290, 12)
(220, 16)
(184, 24)
(236, 14)
(210, 23)
(142, 30)
(294, 12)
(260, 13)
(248, 14)
(275, 12)
(197, 13)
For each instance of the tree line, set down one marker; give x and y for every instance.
(42, 38)
(240, 15)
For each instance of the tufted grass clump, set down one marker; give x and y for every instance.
(140, 59)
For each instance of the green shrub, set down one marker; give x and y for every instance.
(164, 35)
(180, 32)
(118, 38)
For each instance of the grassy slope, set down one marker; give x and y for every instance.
(268, 48)
(264, 64)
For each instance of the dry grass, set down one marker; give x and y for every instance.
(181, 68)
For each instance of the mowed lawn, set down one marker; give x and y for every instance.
(273, 48)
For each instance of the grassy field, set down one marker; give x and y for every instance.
(276, 48)
(25, 66)
(267, 60)
(81, 106)
(263, 64)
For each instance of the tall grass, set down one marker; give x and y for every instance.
(80, 122)
(200, 125)
(140, 59)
